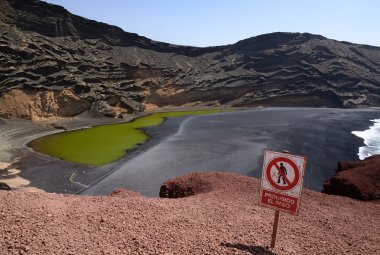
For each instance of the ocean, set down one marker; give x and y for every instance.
(371, 139)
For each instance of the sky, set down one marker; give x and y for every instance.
(219, 22)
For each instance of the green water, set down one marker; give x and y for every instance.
(103, 144)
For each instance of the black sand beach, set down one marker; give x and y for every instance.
(54, 175)
(235, 142)
(223, 142)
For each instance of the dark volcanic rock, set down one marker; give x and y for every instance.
(4, 186)
(103, 108)
(43, 47)
(59, 126)
(360, 180)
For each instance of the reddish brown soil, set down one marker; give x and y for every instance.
(224, 220)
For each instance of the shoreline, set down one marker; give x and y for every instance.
(47, 172)
(67, 177)
(371, 146)
(234, 142)
(101, 145)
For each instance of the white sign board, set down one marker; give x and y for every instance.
(282, 181)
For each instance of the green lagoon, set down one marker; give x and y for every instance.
(104, 144)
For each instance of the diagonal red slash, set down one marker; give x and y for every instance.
(282, 174)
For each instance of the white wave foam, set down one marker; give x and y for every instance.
(371, 139)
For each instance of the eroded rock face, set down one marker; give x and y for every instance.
(359, 180)
(44, 47)
(41, 104)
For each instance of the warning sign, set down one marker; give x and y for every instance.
(282, 181)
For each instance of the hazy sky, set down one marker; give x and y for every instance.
(220, 22)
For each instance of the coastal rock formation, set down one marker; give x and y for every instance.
(45, 48)
(224, 220)
(359, 180)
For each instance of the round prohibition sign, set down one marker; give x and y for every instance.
(274, 163)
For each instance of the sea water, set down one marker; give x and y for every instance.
(371, 139)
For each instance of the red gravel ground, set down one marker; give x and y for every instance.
(224, 220)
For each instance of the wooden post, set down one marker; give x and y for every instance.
(276, 218)
(275, 226)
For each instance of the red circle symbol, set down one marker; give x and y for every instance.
(289, 185)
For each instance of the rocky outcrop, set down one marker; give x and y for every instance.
(359, 180)
(36, 104)
(44, 47)
(187, 185)
(4, 186)
(198, 183)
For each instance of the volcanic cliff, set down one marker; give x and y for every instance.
(54, 63)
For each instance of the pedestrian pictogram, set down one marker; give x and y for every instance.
(281, 184)
(282, 173)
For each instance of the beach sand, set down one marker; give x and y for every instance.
(274, 128)
(44, 173)
(235, 142)
(19, 165)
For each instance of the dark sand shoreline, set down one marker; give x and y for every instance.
(54, 175)
(41, 172)
(234, 142)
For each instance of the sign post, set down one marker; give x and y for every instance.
(281, 184)
(275, 226)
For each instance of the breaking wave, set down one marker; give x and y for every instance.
(371, 139)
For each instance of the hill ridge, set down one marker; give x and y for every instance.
(105, 69)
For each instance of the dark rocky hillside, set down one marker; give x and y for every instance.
(54, 63)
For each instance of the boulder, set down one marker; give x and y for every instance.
(103, 108)
(4, 186)
(359, 180)
(185, 186)
(59, 126)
